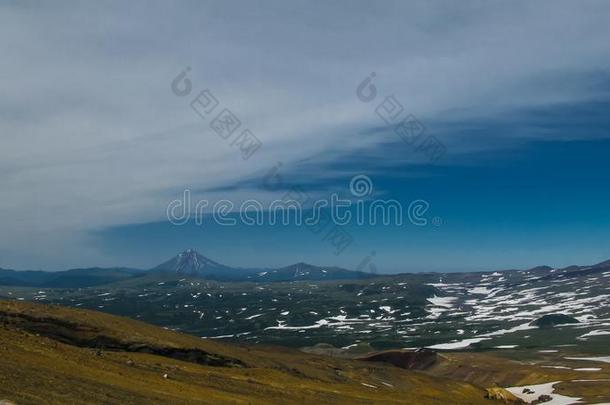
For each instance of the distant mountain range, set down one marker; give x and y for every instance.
(192, 264)
(73, 278)
(188, 264)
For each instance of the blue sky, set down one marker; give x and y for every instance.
(94, 144)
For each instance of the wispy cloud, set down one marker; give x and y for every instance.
(92, 136)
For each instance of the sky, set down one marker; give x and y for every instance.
(95, 142)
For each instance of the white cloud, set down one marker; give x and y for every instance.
(92, 137)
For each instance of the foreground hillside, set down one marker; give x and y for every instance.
(53, 354)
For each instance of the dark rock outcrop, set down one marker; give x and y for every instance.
(420, 359)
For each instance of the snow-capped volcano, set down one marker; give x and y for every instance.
(192, 263)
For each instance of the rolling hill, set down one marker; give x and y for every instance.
(52, 354)
(65, 279)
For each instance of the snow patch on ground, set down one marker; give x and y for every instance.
(461, 344)
(595, 333)
(542, 389)
(479, 290)
(445, 302)
(603, 359)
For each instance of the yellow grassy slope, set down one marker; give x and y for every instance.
(38, 369)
